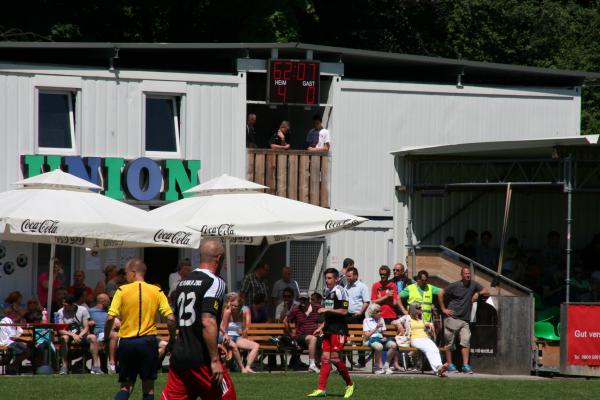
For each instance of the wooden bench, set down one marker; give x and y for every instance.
(162, 331)
(355, 342)
(262, 334)
(6, 353)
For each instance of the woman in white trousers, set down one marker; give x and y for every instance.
(413, 326)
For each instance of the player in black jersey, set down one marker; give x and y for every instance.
(195, 367)
(334, 330)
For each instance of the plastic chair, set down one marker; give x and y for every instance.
(545, 331)
(558, 330)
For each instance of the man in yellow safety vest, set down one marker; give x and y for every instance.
(421, 292)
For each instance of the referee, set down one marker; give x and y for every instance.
(136, 305)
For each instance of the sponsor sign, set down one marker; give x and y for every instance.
(139, 179)
(583, 334)
(347, 223)
(69, 240)
(241, 240)
(179, 237)
(47, 226)
(484, 339)
(218, 230)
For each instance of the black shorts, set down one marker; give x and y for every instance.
(138, 356)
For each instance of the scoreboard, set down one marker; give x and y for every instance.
(294, 82)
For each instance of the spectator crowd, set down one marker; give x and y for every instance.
(317, 139)
(542, 270)
(411, 305)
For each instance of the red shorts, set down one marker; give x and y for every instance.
(190, 383)
(333, 342)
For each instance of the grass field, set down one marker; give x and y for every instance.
(296, 385)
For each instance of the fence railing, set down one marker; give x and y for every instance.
(297, 175)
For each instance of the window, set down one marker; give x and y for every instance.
(56, 120)
(162, 125)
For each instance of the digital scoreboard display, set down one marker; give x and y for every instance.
(293, 82)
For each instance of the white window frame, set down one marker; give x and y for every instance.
(73, 107)
(176, 121)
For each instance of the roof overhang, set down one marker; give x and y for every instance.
(358, 63)
(511, 148)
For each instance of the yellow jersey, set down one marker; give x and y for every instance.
(136, 305)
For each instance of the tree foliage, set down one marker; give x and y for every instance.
(547, 33)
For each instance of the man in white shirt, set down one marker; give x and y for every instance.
(9, 336)
(76, 318)
(286, 305)
(318, 139)
(183, 269)
(359, 298)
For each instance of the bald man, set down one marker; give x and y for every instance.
(195, 367)
(98, 315)
(286, 281)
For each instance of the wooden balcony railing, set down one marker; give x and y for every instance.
(297, 175)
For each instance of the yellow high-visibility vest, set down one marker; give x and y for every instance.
(425, 297)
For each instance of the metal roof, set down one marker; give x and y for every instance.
(221, 57)
(512, 148)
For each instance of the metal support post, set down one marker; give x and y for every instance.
(409, 224)
(569, 191)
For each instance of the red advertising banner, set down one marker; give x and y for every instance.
(583, 334)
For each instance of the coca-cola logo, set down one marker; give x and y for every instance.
(331, 224)
(179, 237)
(220, 230)
(47, 226)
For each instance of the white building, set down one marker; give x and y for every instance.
(104, 110)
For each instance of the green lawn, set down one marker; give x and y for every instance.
(296, 385)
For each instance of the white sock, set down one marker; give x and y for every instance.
(311, 362)
(386, 365)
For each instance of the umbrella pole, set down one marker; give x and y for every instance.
(229, 264)
(50, 279)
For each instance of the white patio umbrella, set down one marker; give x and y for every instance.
(234, 209)
(59, 208)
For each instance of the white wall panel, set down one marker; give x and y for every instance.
(370, 119)
(111, 118)
(367, 247)
(16, 125)
(215, 129)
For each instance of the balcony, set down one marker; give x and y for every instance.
(295, 174)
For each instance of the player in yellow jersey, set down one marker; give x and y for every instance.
(136, 305)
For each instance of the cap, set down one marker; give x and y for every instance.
(304, 295)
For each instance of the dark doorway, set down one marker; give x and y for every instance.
(160, 262)
(63, 253)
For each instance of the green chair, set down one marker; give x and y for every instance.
(545, 331)
(558, 330)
